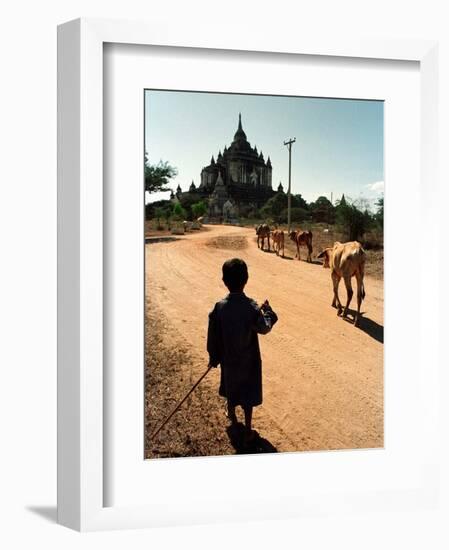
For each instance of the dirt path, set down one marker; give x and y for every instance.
(323, 378)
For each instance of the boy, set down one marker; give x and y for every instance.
(232, 342)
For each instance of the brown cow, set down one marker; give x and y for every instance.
(302, 238)
(263, 232)
(346, 260)
(278, 241)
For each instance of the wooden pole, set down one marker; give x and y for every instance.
(289, 199)
(179, 404)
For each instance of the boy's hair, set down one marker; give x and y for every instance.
(235, 274)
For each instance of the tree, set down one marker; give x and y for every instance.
(299, 202)
(150, 207)
(167, 216)
(199, 209)
(297, 215)
(355, 223)
(322, 210)
(158, 175)
(379, 216)
(179, 212)
(159, 213)
(187, 200)
(274, 207)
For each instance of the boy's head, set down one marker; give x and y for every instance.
(235, 274)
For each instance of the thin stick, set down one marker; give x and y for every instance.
(179, 405)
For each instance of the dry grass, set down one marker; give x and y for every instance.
(199, 427)
(228, 243)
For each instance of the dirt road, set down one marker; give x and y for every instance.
(322, 377)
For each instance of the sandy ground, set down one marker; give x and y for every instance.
(322, 377)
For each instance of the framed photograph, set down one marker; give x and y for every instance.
(215, 201)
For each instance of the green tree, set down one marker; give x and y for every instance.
(150, 208)
(159, 213)
(299, 202)
(158, 175)
(179, 212)
(199, 209)
(297, 215)
(167, 215)
(187, 200)
(379, 216)
(322, 210)
(353, 221)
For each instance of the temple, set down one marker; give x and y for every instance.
(237, 182)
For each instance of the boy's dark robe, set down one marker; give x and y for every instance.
(232, 342)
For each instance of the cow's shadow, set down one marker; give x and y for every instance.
(366, 324)
(259, 445)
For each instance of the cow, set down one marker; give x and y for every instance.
(278, 241)
(302, 238)
(346, 260)
(263, 232)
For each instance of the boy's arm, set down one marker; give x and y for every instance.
(213, 342)
(265, 319)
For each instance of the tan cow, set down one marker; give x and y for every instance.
(302, 238)
(278, 241)
(263, 232)
(346, 260)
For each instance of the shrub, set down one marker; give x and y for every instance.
(296, 215)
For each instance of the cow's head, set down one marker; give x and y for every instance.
(292, 235)
(326, 254)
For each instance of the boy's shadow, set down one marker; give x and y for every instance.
(236, 434)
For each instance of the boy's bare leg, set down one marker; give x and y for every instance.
(249, 434)
(231, 413)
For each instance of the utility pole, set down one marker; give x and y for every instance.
(289, 196)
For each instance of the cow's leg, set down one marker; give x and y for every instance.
(350, 294)
(360, 295)
(336, 301)
(258, 240)
(268, 237)
(309, 257)
(298, 255)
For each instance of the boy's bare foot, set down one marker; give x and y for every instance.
(230, 413)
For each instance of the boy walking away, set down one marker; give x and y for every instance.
(232, 342)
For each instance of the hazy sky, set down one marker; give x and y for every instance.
(338, 149)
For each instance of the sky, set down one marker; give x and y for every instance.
(339, 142)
